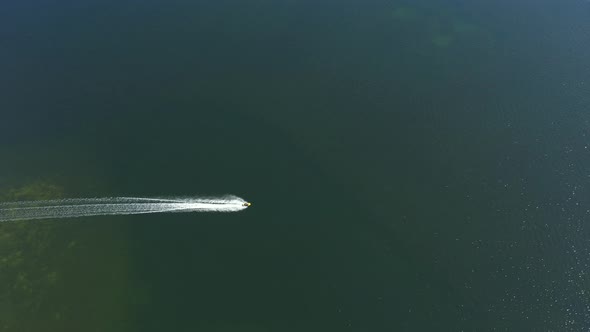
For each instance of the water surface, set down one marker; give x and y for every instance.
(413, 166)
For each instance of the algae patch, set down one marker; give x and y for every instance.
(404, 14)
(442, 40)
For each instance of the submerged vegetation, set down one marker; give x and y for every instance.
(441, 29)
(44, 270)
(26, 272)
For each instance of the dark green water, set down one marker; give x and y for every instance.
(413, 166)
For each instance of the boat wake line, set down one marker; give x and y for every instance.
(86, 207)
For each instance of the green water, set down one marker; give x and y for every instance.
(413, 166)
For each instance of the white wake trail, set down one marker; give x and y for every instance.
(86, 207)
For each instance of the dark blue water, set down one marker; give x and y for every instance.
(413, 166)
